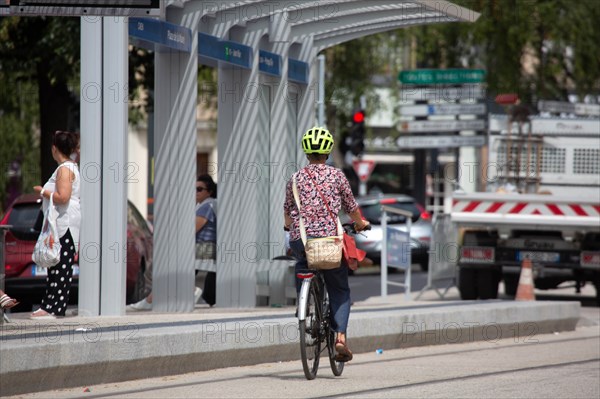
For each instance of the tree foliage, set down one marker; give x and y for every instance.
(39, 77)
(350, 68)
(18, 133)
(41, 55)
(141, 84)
(540, 49)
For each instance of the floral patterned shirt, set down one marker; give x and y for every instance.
(317, 220)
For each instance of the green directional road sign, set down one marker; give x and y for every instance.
(441, 76)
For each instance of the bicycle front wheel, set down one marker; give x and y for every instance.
(310, 342)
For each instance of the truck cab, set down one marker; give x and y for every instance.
(542, 204)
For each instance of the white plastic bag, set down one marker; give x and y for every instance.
(47, 248)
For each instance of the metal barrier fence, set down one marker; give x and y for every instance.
(401, 246)
(443, 255)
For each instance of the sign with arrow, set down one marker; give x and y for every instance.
(441, 93)
(440, 141)
(440, 126)
(569, 108)
(442, 109)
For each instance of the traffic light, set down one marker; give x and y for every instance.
(359, 117)
(357, 133)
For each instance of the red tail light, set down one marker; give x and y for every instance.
(477, 254)
(304, 275)
(424, 214)
(387, 201)
(14, 270)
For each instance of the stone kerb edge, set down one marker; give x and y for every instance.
(159, 352)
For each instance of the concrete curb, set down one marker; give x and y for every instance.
(38, 356)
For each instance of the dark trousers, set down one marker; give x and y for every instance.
(209, 293)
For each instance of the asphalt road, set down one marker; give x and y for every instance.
(565, 365)
(367, 283)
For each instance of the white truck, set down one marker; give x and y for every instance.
(552, 218)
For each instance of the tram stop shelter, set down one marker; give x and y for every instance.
(266, 53)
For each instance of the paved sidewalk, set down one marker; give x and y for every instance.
(41, 355)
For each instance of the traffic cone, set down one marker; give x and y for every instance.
(525, 289)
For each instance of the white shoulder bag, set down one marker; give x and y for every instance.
(47, 248)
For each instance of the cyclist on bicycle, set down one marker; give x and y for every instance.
(317, 143)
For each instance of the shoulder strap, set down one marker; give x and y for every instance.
(297, 199)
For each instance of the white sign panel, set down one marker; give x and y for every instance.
(569, 108)
(440, 141)
(497, 123)
(442, 109)
(441, 93)
(440, 126)
(566, 126)
(380, 143)
(363, 169)
(587, 109)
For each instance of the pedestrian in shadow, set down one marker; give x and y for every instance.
(206, 231)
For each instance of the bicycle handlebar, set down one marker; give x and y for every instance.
(351, 228)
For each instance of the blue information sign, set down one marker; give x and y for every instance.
(209, 46)
(237, 54)
(298, 71)
(398, 248)
(163, 34)
(269, 63)
(224, 50)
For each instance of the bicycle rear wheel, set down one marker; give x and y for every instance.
(336, 367)
(310, 342)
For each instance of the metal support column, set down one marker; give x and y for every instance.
(104, 117)
(114, 165)
(176, 95)
(90, 166)
(420, 173)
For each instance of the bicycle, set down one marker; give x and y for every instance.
(314, 321)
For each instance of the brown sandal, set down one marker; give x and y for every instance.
(343, 353)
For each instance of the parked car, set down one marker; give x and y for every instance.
(420, 232)
(27, 282)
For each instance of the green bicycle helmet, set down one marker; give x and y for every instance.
(317, 140)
